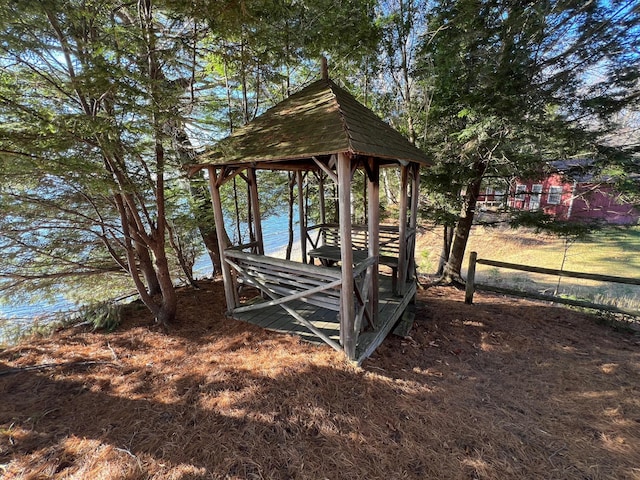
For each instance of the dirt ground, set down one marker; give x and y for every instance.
(500, 389)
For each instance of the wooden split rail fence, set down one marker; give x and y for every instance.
(472, 285)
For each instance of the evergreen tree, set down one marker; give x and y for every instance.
(87, 93)
(514, 85)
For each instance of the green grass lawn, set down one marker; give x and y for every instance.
(614, 251)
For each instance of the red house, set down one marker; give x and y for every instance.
(568, 192)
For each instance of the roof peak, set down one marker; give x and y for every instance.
(324, 68)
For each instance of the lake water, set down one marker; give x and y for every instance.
(275, 235)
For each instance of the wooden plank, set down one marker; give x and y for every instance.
(362, 294)
(561, 273)
(316, 300)
(389, 322)
(285, 264)
(283, 278)
(294, 296)
(291, 277)
(551, 298)
(404, 325)
(347, 312)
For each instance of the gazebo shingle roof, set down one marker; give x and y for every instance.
(321, 119)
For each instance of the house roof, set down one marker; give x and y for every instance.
(585, 170)
(321, 119)
(578, 169)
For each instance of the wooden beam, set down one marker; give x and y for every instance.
(348, 335)
(333, 160)
(226, 174)
(214, 186)
(255, 208)
(554, 299)
(281, 263)
(326, 169)
(561, 273)
(323, 209)
(413, 219)
(387, 325)
(354, 167)
(373, 214)
(402, 222)
(363, 297)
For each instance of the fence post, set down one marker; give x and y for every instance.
(471, 276)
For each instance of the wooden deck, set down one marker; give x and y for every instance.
(391, 308)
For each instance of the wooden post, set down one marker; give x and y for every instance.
(255, 208)
(471, 278)
(413, 220)
(229, 291)
(323, 211)
(348, 337)
(402, 230)
(302, 217)
(373, 218)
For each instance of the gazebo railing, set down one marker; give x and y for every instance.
(325, 241)
(285, 281)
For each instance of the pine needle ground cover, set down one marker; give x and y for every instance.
(503, 388)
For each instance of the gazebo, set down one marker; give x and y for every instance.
(366, 278)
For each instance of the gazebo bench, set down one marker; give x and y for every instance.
(327, 246)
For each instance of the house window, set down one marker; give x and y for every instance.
(520, 189)
(536, 194)
(555, 195)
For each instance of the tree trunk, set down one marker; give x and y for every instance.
(453, 268)
(166, 313)
(146, 268)
(447, 239)
(169, 304)
(290, 218)
(186, 154)
(388, 193)
(185, 264)
(210, 239)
